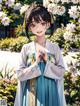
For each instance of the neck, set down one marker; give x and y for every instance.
(41, 40)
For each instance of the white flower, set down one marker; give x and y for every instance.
(73, 12)
(17, 6)
(76, 1)
(52, 8)
(10, 3)
(68, 36)
(60, 10)
(71, 27)
(46, 3)
(5, 21)
(0, 1)
(77, 37)
(23, 8)
(79, 8)
(51, 1)
(68, 1)
(2, 15)
(65, 1)
(54, 1)
(56, 9)
(57, 1)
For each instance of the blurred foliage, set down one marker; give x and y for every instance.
(77, 57)
(7, 73)
(57, 37)
(19, 30)
(72, 89)
(8, 85)
(8, 91)
(13, 44)
(71, 46)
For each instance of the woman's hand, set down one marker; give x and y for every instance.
(41, 55)
(45, 57)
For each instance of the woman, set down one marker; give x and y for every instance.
(41, 70)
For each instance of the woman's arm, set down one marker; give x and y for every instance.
(24, 72)
(55, 71)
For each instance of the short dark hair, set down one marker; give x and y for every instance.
(37, 12)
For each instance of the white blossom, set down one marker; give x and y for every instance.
(68, 1)
(10, 3)
(76, 1)
(72, 65)
(2, 15)
(0, 1)
(46, 3)
(56, 9)
(65, 1)
(23, 8)
(50, 0)
(5, 21)
(77, 37)
(73, 12)
(17, 6)
(68, 36)
(57, 1)
(79, 8)
(54, 1)
(60, 10)
(52, 8)
(70, 27)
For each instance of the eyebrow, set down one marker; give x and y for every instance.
(33, 22)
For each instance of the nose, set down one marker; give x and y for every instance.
(38, 29)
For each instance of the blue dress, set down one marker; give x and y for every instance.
(41, 90)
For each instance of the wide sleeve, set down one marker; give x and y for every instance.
(24, 72)
(55, 70)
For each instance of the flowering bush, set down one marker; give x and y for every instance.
(72, 89)
(23, 8)
(8, 12)
(10, 17)
(72, 30)
(13, 44)
(59, 8)
(54, 7)
(57, 37)
(8, 90)
(4, 19)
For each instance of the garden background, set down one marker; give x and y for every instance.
(66, 17)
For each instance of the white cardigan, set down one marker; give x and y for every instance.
(54, 71)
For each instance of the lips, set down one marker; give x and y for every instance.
(39, 32)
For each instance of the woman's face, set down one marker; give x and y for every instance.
(39, 28)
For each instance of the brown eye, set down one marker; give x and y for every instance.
(43, 23)
(32, 25)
